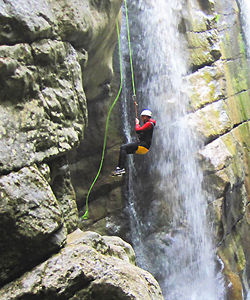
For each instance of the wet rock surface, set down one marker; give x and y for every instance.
(88, 267)
(56, 70)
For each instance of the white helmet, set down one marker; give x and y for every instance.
(146, 112)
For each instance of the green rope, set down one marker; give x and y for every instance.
(130, 51)
(86, 215)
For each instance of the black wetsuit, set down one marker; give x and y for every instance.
(145, 134)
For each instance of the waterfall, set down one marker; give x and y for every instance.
(168, 210)
(245, 11)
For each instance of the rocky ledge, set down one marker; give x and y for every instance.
(88, 267)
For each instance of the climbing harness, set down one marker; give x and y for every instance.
(86, 214)
(141, 150)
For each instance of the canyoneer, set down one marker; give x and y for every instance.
(141, 145)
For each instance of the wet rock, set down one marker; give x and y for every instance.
(43, 103)
(88, 267)
(26, 21)
(219, 113)
(31, 221)
(64, 192)
(207, 86)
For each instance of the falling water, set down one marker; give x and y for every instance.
(128, 120)
(245, 12)
(169, 225)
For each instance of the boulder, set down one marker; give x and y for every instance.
(32, 226)
(88, 267)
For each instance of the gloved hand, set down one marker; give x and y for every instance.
(136, 121)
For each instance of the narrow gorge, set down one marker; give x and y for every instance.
(176, 225)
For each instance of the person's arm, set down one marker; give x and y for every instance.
(145, 127)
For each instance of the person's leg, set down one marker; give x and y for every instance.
(127, 149)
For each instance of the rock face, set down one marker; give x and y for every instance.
(56, 77)
(30, 217)
(219, 111)
(54, 56)
(89, 267)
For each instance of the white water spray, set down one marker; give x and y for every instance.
(170, 229)
(128, 121)
(245, 13)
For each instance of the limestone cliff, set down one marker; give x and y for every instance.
(54, 57)
(220, 114)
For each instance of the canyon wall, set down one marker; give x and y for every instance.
(219, 112)
(57, 83)
(56, 58)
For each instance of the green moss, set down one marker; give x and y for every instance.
(217, 18)
(239, 81)
(242, 133)
(236, 70)
(213, 119)
(245, 105)
(230, 143)
(207, 87)
(227, 37)
(241, 260)
(242, 46)
(239, 107)
(233, 253)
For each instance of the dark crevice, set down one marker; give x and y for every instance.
(6, 171)
(29, 265)
(213, 138)
(206, 6)
(207, 104)
(217, 56)
(230, 232)
(195, 68)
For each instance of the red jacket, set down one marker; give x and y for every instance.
(145, 132)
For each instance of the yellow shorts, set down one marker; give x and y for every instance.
(141, 150)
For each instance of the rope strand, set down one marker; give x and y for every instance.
(86, 215)
(130, 51)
